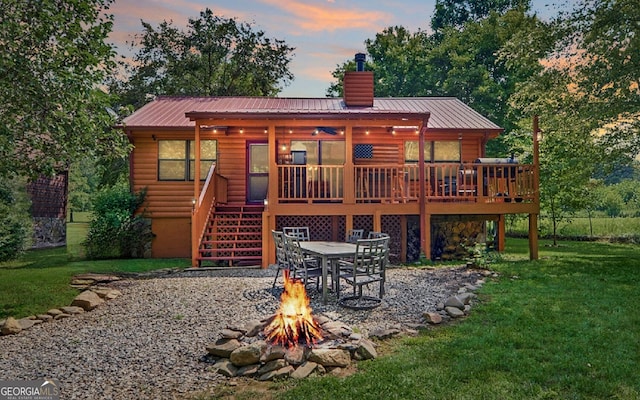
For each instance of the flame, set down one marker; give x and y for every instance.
(293, 323)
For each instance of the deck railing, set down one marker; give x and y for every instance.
(466, 182)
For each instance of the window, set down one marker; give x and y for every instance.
(174, 165)
(446, 151)
(326, 152)
(412, 151)
(438, 151)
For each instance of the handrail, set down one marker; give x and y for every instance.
(214, 190)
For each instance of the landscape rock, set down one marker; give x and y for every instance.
(44, 317)
(225, 367)
(10, 327)
(26, 323)
(230, 334)
(454, 301)
(272, 366)
(248, 370)
(384, 334)
(73, 310)
(245, 355)
(304, 370)
(61, 316)
(253, 328)
(273, 353)
(106, 293)
(223, 347)
(295, 355)
(466, 297)
(88, 300)
(280, 373)
(330, 357)
(432, 317)
(454, 312)
(366, 350)
(54, 311)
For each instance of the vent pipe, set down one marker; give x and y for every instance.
(360, 59)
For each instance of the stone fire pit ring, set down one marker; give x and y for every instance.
(360, 302)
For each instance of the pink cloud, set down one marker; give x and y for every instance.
(328, 17)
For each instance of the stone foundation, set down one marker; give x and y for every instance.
(49, 232)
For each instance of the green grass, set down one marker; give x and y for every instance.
(602, 227)
(563, 327)
(40, 280)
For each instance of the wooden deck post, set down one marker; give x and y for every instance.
(533, 236)
(501, 232)
(195, 235)
(426, 234)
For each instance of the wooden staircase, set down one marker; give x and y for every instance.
(233, 236)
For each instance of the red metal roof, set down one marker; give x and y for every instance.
(174, 112)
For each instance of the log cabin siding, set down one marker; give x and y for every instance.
(165, 199)
(232, 160)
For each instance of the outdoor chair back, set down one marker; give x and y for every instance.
(281, 254)
(300, 232)
(300, 266)
(368, 265)
(354, 234)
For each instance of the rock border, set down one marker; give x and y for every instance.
(242, 351)
(93, 295)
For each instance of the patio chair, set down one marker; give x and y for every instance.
(376, 235)
(281, 254)
(368, 265)
(300, 232)
(354, 234)
(301, 267)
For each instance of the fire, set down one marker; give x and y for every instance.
(293, 324)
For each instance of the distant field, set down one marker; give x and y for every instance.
(76, 234)
(602, 227)
(78, 216)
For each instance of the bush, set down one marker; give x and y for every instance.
(116, 231)
(15, 220)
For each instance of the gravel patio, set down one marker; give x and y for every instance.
(150, 341)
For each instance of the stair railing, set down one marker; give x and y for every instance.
(213, 191)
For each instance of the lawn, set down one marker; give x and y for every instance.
(40, 280)
(580, 226)
(563, 327)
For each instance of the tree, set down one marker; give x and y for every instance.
(601, 47)
(15, 222)
(215, 56)
(51, 109)
(456, 13)
(466, 63)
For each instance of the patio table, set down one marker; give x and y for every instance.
(328, 252)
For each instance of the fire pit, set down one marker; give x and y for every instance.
(294, 323)
(290, 343)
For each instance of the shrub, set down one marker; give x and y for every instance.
(15, 221)
(115, 230)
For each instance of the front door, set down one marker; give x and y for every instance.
(257, 171)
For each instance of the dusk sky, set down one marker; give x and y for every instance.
(325, 33)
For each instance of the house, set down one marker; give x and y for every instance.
(412, 167)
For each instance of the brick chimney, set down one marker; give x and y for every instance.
(358, 85)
